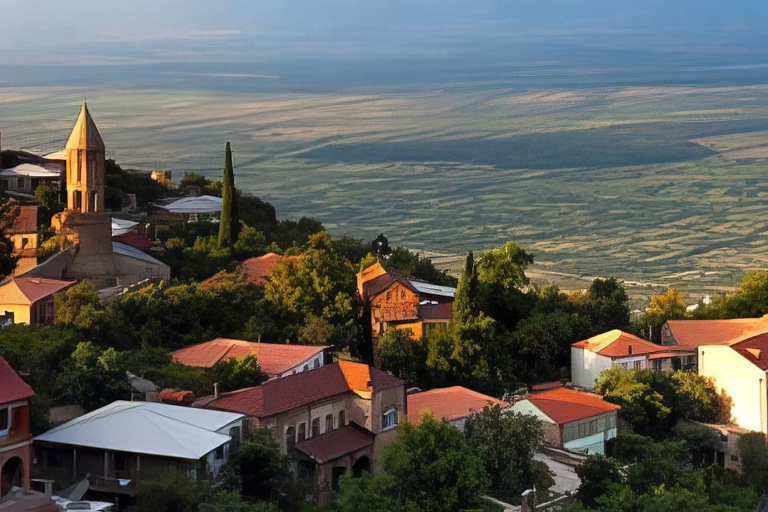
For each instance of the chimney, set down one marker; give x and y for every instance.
(215, 390)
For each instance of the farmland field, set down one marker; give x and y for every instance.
(656, 185)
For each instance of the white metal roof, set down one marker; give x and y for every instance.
(433, 289)
(122, 226)
(200, 204)
(30, 170)
(133, 252)
(56, 155)
(146, 428)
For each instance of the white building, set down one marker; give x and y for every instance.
(127, 444)
(739, 368)
(591, 357)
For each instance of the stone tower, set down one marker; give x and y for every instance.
(86, 161)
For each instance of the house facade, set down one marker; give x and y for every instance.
(126, 445)
(24, 236)
(574, 420)
(331, 421)
(392, 301)
(15, 434)
(591, 357)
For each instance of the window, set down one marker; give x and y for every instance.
(4, 421)
(306, 367)
(302, 431)
(219, 453)
(342, 418)
(290, 438)
(593, 427)
(389, 418)
(328, 422)
(315, 427)
(638, 365)
(317, 363)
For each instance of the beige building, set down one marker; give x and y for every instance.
(24, 235)
(332, 421)
(30, 300)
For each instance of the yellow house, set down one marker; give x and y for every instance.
(29, 300)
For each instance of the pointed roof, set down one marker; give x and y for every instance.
(617, 343)
(450, 403)
(695, 333)
(85, 135)
(28, 290)
(567, 405)
(12, 388)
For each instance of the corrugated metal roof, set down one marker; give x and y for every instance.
(200, 204)
(30, 171)
(122, 226)
(133, 252)
(146, 428)
(433, 289)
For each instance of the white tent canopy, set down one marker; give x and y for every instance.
(200, 204)
(122, 226)
(31, 171)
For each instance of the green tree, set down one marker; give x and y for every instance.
(641, 404)
(380, 246)
(597, 474)
(250, 242)
(465, 303)
(607, 305)
(9, 210)
(430, 467)
(501, 277)
(367, 494)
(506, 442)
(239, 373)
(227, 198)
(49, 201)
(95, 377)
(259, 472)
(753, 453)
(413, 265)
(400, 353)
(80, 307)
(668, 306)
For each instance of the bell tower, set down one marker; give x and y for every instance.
(86, 162)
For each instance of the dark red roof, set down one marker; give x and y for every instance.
(567, 405)
(26, 222)
(273, 358)
(378, 284)
(336, 443)
(754, 349)
(173, 396)
(442, 311)
(134, 240)
(280, 395)
(12, 388)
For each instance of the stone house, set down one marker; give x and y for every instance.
(331, 421)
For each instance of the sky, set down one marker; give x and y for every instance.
(142, 31)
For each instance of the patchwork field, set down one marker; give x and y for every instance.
(657, 185)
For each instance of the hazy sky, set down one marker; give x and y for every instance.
(111, 31)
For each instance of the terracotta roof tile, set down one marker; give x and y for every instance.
(12, 388)
(258, 270)
(273, 358)
(567, 405)
(694, 333)
(618, 343)
(336, 443)
(449, 403)
(280, 395)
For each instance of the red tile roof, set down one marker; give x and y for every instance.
(12, 388)
(694, 333)
(336, 443)
(258, 270)
(173, 396)
(26, 222)
(449, 403)
(273, 358)
(28, 290)
(618, 343)
(567, 405)
(280, 395)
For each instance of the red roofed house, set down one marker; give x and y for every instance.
(29, 300)
(455, 404)
(393, 301)
(332, 421)
(740, 368)
(691, 334)
(15, 435)
(23, 233)
(574, 420)
(276, 360)
(258, 270)
(591, 357)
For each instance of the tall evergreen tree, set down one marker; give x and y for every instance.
(235, 212)
(465, 303)
(227, 191)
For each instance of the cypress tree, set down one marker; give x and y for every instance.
(225, 222)
(465, 303)
(235, 212)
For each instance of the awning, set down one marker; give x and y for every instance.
(337, 443)
(671, 353)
